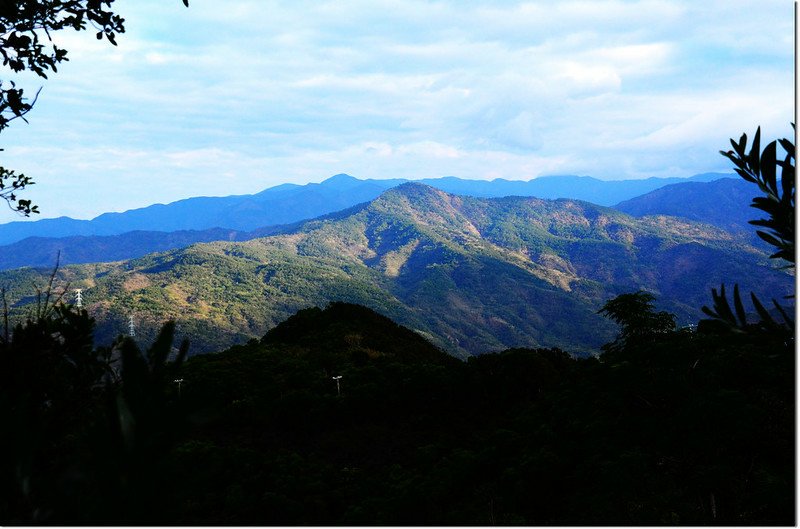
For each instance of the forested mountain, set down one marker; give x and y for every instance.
(723, 203)
(288, 203)
(474, 275)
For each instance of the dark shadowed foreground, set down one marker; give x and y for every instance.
(671, 427)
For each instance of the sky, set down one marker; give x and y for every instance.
(235, 96)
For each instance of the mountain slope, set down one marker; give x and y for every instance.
(288, 203)
(471, 274)
(79, 249)
(723, 203)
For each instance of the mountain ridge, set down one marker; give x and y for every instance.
(289, 203)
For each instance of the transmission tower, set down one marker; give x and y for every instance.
(131, 326)
(78, 297)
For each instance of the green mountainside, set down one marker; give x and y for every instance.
(472, 275)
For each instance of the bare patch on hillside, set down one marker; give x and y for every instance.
(135, 281)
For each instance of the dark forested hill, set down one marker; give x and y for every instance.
(343, 332)
(290, 203)
(471, 274)
(688, 429)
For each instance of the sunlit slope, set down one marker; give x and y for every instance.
(471, 274)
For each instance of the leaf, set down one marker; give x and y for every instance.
(182, 352)
(739, 148)
(787, 180)
(770, 239)
(768, 158)
(737, 303)
(787, 146)
(754, 158)
(762, 312)
(789, 321)
(159, 351)
(721, 310)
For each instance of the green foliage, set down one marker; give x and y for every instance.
(721, 313)
(526, 436)
(353, 331)
(48, 372)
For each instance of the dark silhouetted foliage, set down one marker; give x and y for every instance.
(637, 318)
(83, 428)
(760, 167)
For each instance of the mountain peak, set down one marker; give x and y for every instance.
(415, 188)
(340, 180)
(414, 192)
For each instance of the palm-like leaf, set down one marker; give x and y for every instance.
(761, 168)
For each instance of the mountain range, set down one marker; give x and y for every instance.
(117, 236)
(288, 203)
(471, 274)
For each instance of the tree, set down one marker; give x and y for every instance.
(26, 44)
(635, 313)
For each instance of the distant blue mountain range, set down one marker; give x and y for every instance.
(288, 203)
(710, 198)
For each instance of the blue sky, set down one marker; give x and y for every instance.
(231, 97)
